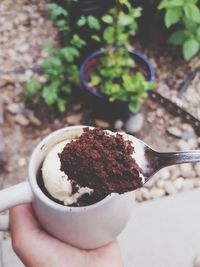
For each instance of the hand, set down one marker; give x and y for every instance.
(36, 248)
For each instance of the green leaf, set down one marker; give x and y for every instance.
(192, 12)
(70, 53)
(93, 23)
(56, 11)
(32, 87)
(168, 4)
(191, 1)
(198, 34)
(95, 80)
(163, 4)
(190, 48)
(56, 62)
(108, 35)
(96, 38)
(177, 2)
(66, 89)
(172, 16)
(178, 37)
(61, 105)
(107, 19)
(127, 79)
(74, 73)
(134, 106)
(62, 25)
(82, 21)
(151, 85)
(137, 12)
(50, 92)
(77, 41)
(189, 24)
(125, 20)
(115, 88)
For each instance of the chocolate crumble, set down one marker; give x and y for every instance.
(101, 161)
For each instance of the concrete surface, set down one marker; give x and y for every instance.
(161, 233)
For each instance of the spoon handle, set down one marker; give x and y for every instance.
(173, 158)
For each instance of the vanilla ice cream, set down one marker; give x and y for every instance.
(55, 181)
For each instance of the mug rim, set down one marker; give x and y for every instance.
(32, 177)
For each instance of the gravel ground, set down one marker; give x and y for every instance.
(24, 28)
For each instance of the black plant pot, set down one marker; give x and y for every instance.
(100, 103)
(91, 7)
(86, 7)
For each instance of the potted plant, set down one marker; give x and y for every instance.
(60, 69)
(116, 77)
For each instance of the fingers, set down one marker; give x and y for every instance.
(25, 232)
(38, 249)
(22, 219)
(108, 253)
(34, 246)
(23, 224)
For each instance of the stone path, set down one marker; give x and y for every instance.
(161, 233)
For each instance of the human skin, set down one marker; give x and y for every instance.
(36, 248)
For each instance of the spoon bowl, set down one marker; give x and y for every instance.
(151, 161)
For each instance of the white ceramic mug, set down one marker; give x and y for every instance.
(84, 227)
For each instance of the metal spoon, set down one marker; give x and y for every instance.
(152, 161)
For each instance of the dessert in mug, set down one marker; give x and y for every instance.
(83, 171)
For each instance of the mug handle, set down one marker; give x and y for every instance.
(13, 196)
